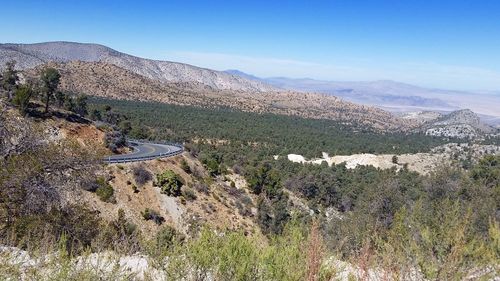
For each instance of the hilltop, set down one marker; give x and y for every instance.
(458, 124)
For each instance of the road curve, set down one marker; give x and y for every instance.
(145, 151)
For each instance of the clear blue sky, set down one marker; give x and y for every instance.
(452, 44)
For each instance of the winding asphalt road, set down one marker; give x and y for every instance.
(145, 151)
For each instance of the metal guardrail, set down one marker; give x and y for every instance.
(146, 158)
(155, 142)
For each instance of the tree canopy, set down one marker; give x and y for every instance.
(50, 78)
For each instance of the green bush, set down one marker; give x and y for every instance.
(105, 190)
(487, 171)
(438, 240)
(212, 166)
(234, 256)
(170, 183)
(120, 235)
(265, 179)
(22, 97)
(139, 132)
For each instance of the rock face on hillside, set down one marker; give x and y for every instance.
(32, 55)
(458, 124)
(464, 116)
(422, 116)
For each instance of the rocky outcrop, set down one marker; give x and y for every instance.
(458, 124)
(464, 116)
(422, 116)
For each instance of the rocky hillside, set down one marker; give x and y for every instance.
(464, 116)
(217, 203)
(31, 55)
(461, 124)
(108, 80)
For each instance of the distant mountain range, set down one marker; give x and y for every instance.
(393, 96)
(380, 93)
(32, 55)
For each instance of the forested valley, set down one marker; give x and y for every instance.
(394, 216)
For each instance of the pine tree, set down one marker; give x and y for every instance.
(50, 78)
(9, 79)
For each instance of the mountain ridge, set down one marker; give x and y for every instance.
(102, 71)
(110, 81)
(395, 96)
(32, 55)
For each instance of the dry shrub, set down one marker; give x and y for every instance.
(141, 175)
(315, 253)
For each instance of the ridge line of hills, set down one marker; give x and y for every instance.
(32, 55)
(101, 71)
(393, 96)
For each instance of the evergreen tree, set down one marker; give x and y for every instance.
(22, 97)
(81, 105)
(69, 104)
(95, 115)
(9, 79)
(50, 78)
(61, 98)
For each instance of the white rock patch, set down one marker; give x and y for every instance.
(296, 158)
